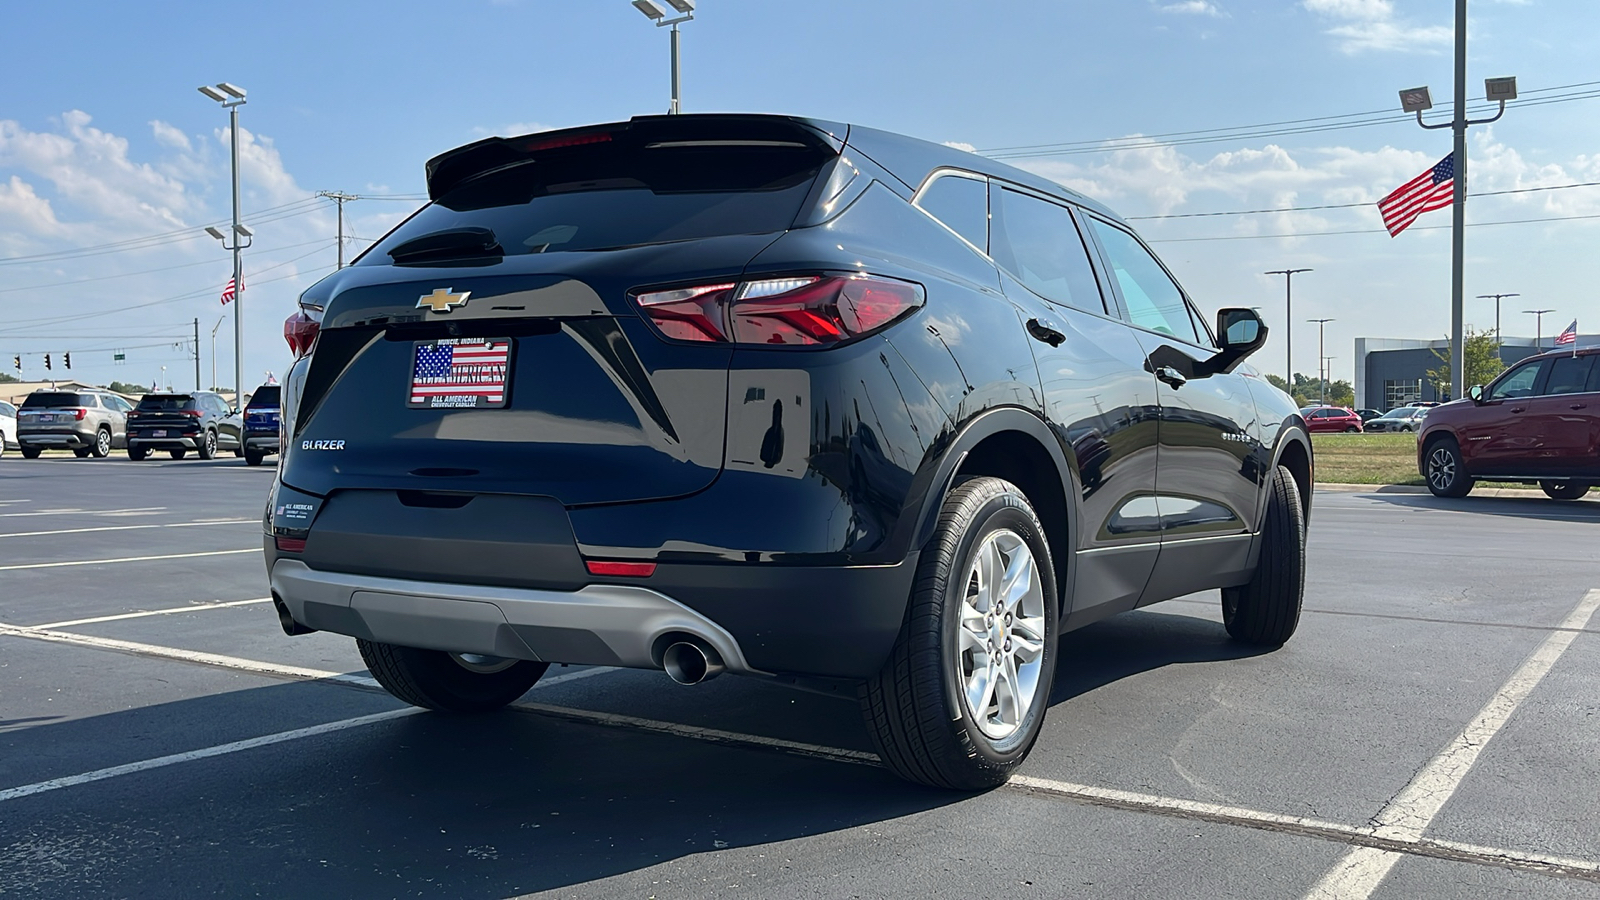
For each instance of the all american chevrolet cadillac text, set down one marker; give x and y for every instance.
(780, 397)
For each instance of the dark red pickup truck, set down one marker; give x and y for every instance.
(1539, 422)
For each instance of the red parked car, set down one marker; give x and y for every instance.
(1539, 422)
(1320, 419)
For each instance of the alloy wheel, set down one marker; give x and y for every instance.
(1441, 468)
(102, 444)
(481, 664)
(1001, 635)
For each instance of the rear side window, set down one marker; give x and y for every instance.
(51, 400)
(266, 395)
(1037, 241)
(7, 409)
(159, 404)
(611, 195)
(1569, 375)
(961, 203)
(1152, 297)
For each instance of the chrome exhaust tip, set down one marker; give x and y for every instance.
(690, 663)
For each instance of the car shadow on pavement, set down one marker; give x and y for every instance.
(1514, 507)
(1136, 642)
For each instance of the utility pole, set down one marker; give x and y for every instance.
(339, 198)
(1538, 327)
(1417, 100)
(1496, 298)
(214, 348)
(197, 385)
(1320, 358)
(1288, 316)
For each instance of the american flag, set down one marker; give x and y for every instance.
(468, 372)
(1570, 336)
(228, 292)
(1433, 189)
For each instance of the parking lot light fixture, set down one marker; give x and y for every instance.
(1496, 298)
(1321, 323)
(1538, 327)
(657, 14)
(1288, 316)
(231, 96)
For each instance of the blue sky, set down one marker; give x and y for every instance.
(103, 138)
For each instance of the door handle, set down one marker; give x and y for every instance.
(1169, 375)
(1043, 332)
(1578, 406)
(1519, 409)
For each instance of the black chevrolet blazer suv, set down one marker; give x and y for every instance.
(780, 397)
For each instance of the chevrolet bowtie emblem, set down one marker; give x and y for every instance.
(442, 301)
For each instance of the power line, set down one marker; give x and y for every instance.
(1251, 212)
(204, 262)
(269, 214)
(1250, 237)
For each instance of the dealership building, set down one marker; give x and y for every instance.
(1392, 372)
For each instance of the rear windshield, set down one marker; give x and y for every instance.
(266, 395)
(53, 399)
(619, 195)
(153, 403)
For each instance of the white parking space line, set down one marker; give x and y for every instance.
(1369, 839)
(126, 559)
(83, 512)
(197, 607)
(1408, 814)
(54, 784)
(131, 527)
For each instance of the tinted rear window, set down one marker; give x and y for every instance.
(157, 404)
(619, 195)
(266, 395)
(54, 399)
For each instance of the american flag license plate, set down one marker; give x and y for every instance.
(460, 373)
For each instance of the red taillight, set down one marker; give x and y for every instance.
(300, 330)
(79, 413)
(189, 412)
(807, 310)
(566, 140)
(291, 545)
(615, 568)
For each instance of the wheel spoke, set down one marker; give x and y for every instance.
(1006, 692)
(980, 692)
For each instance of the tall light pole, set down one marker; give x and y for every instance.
(1538, 327)
(658, 15)
(1325, 368)
(1417, 100)
(1288, 316)
(1496, 298)
(1321, 323)
(232, 97)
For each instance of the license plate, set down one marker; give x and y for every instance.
(159, 432)
(47, 418)
(460, 373)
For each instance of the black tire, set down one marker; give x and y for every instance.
(434, 679)
(239, 452)
(1352, 430)
(208, 445)
(82, 452)
(916, 708)
(1446, 472)
(30, 452)
(180, 453)
(137, 454)
(1563, 490)
(102, 444)
(253, 457)
(1265, 610)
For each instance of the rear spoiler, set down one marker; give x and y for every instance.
(453, 167)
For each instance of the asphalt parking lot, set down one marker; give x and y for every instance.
(1431, 731)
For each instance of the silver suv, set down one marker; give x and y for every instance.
(87, 422)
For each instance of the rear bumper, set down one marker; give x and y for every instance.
(46, 439)
(261, 442)
(185, 442)
(604, 625)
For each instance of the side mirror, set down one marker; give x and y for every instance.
(1476, 393)
(1240, 332)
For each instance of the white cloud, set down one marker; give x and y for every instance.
(169, 136)
(1360, 25)
(21, 208)
(1193, 8)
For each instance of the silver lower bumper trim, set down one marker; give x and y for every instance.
(613, 625)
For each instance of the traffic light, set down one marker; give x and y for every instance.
(47, 361)
(17, 361)
(67, 358)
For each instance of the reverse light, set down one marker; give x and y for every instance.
(615, 568)
(809, 310)
(300, 330)
(77, 412)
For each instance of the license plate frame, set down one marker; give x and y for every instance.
(158, 433)
(474, 374)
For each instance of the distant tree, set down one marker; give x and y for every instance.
(1482, 360)
(8, 379)
(123, 387)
